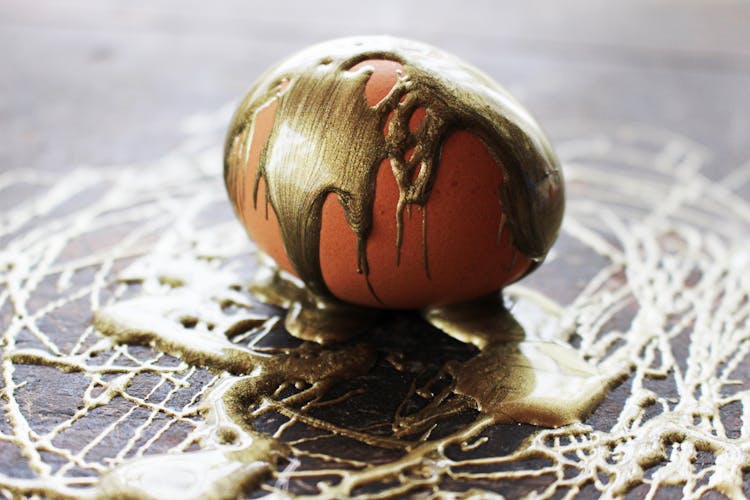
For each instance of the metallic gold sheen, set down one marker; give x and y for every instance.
(327, 139)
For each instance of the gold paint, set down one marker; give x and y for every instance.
(252, 377)
(235, 459)
(515, 379)
(199, 475)
(309, 316)
(327, 139)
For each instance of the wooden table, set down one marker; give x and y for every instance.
(105, 97)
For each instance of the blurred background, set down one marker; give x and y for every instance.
(106, 82)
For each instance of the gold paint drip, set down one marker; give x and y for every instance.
(327, 139)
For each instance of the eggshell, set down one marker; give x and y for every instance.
(464, 256)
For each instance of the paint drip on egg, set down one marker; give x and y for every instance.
(387, 173)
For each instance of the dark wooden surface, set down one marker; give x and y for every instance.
(106, 83)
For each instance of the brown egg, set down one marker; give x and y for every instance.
(385, 173)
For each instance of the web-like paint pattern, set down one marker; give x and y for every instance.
(666, 291)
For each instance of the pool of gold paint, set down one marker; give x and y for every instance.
(510, 378)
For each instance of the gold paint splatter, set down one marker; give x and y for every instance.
(511, 379)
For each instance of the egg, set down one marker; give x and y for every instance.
(386, 173)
